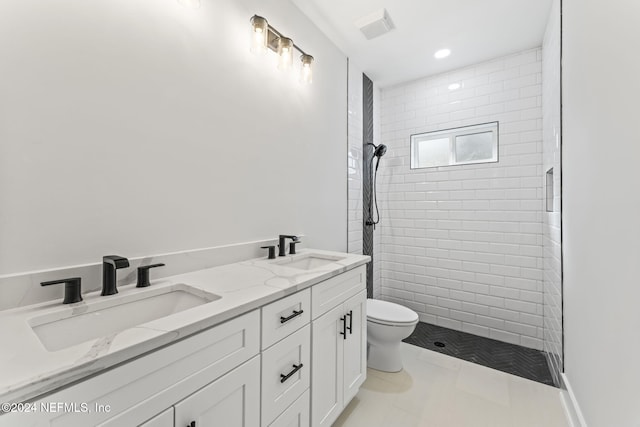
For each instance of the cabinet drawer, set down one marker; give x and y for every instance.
(296, 415)
(332, 292)
(282, 382)
(281, 318)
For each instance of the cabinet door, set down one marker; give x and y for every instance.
(355, 346)
(326, 368)
(163, 419)
(231, 401)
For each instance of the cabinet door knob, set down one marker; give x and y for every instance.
(350, 327)
(344, 327)
(192, 424)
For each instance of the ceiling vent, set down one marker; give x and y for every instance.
(375, 24)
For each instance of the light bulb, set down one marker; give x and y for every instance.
(285, 53)
(306, 71)
(259, 34)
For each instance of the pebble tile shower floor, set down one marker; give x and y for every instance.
(510, 358)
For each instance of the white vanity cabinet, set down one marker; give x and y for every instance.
(339, 344)
(294, 362)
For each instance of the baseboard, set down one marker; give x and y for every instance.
(570, 405)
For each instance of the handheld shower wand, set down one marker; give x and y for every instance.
(378, 152)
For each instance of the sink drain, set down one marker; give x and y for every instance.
(438, 344)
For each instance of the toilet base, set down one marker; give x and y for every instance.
(385, 358)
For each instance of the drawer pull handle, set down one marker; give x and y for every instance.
(284, 377)
(295, 314)
(344, 327)
(350, 327)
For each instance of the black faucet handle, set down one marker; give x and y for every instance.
(292, 246)
(143, 274)
(72, 289)
(116, 260)
(272, 251)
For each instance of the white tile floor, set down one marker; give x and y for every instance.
(435, 390)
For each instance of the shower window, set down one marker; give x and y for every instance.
(459, 146)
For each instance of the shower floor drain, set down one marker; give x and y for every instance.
(438, 344)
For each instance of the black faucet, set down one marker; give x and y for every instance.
(110, 264)
(282, 251)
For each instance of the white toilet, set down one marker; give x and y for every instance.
(387, 325)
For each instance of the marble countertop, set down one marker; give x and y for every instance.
(28, 369)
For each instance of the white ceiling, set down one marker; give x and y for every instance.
(474, 30)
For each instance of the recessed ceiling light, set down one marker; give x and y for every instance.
(454, 86)
(442, 53)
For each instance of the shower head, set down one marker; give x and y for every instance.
(380, 150)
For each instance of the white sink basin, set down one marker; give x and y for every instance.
(108, 315)
(309, 261)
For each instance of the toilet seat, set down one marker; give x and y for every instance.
(390, 314)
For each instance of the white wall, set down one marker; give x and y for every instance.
(551, 220)
(139, 127)
(601, 208)
(462, 245)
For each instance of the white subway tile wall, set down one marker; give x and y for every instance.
(551, 220)
(462, 245)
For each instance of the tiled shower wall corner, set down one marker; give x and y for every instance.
(552, 251)
(377, 245)
(354, 159)
(355, 172)
(462, 245)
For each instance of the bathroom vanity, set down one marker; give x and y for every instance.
(258, 343)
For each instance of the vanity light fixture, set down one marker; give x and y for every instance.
(264, 36)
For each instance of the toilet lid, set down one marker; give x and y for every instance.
(389, 312)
